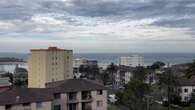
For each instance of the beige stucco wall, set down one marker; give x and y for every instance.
(2, 107)
(47, 66)
(32, 106)
(46, 106)
(96, 98)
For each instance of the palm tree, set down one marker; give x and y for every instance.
(191, 70)
(112, 68)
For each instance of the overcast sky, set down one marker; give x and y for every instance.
(98, 25)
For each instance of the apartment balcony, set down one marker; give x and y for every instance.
(72, 101)
(72, 98)
(86, 97)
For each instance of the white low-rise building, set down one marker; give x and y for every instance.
(83, 61)
(132, 60)
(186, 89)
(122, 76)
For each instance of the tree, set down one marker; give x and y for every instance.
(105, 77)
(168, 83)
(139, 73)
(134, 94)
(157, 65)
(112, 69)
(191, 70)
(89, 71)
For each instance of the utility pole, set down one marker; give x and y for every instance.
(169, 85)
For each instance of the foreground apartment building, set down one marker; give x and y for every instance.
(49, 65)
(72, 94)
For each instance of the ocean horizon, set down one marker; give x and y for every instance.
(107, 58)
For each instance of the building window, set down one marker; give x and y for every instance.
(100, 92)
(99, 103)
(39, 104)
(185, 90)
(72, 106)
(72, 96)
(193, 90)
(57, 96)
(86, 95)
(186, 98)
(57, 107)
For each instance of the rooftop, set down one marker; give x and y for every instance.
(50, 49)
(186, 82)
(25, 95)
(73, 85)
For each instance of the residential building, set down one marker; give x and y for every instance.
(26, 99)
(20, 74)
(72, 94)
(85, 62)
(49, 65)
(186, 88)
(4, 84)
(132, 60)
(122, 76)
(82, 61)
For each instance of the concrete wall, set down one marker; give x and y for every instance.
(2, 107)
(32, 106)
(46, 106)
(96, 98)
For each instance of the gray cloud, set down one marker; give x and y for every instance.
(98, 20)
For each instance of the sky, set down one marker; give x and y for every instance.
(102, 26)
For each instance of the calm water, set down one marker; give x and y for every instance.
(149, 58)
(107, 58)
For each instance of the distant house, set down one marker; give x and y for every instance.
(122, 76)
(20, 74)
(132, 60)
(72, 94)
(186, 88)
(82, 61)
(4, 84)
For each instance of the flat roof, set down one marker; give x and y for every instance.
(50, 49)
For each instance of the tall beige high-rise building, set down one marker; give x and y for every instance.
(49, 65)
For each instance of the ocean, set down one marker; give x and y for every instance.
(107, 58)
(149, 58)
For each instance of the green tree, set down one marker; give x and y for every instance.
(112, 69)
(191, 70)
(134, 94)
(157, 65)
(168, 83)
(104, 76)
(139, 73)
(89, 71)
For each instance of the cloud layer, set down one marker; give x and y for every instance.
(97, 25)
